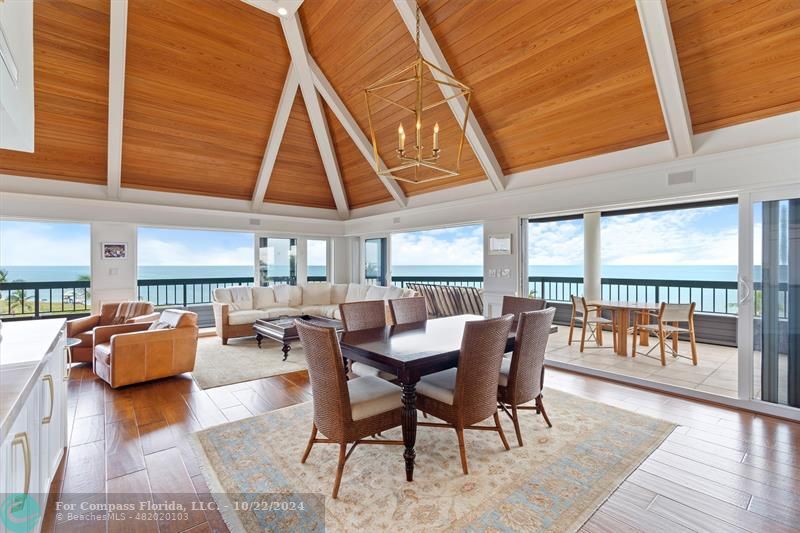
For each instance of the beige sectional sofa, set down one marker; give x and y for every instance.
(237, 308)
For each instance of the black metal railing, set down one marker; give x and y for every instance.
(463, 281)
(184, 292)
(44, 299)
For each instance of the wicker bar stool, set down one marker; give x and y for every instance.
(522, 376)
(408, 310)
(467, 395)
(365, 315)
(345, 411)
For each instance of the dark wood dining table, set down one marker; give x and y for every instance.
(411, 351)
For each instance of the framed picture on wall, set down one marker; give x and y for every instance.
(115, 250)
(500, 244)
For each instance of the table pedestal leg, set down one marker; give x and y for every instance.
(622, 325)
(259, 338)
(285, 350)
(409, 427)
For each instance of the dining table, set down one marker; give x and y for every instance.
(623, 310)
(411, 351)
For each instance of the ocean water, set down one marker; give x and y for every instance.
(701, 273)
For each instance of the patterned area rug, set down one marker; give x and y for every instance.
(554, 483)
(242, 360)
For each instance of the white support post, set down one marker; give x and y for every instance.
(116, 93)
(296, 42)
(431, 51)
(592, 260)
(657, 32)
(275, 138)
(347, 121)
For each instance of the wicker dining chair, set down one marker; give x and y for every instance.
(668, 320)
(345, 412)
(515, 305)
(581, 312)
(408, 310)
(368, 314)
(467, 395)
(522, 376)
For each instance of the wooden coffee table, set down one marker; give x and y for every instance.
(283, 329)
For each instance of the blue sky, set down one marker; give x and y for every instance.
(706, 236)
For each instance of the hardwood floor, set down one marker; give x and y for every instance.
(721, 470)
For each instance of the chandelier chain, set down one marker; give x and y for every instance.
(418, 17)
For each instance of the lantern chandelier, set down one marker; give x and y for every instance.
(425, 167)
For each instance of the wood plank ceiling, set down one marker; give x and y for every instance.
(740, 61)
(298, 177)
(202, 85)
(70, 40)
(353, 56)
(553, 81)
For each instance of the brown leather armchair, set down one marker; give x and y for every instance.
(110, 314)
(134, 353)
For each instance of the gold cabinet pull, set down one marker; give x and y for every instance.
(49, 379)
(22, 439)
(69, 363)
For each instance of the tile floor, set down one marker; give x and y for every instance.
(716, 371)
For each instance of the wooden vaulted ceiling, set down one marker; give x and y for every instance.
(553, 81)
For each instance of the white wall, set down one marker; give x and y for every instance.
(113, 280)
(500, 272)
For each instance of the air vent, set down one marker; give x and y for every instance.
(255, 222)
(680, 178)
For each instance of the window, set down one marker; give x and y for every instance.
(555, 257)
(44, 268)
(277, 261)
(448, 255)
(375, 271)
(317, 260)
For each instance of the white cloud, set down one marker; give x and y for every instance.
(452, 246)
(317, 252)
(42, 244)
(665, 238)
(156, 252)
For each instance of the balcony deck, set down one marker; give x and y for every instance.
(716, 371)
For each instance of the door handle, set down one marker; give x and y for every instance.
(22, 440)
(745, 285)
(49, 379)
(69, 363)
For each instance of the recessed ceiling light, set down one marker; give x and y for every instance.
(282, 11)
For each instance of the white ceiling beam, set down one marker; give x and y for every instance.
(296, 42)
(279, 8)
(347, 121)
(275, 138)
(657, 31)
(116, 93)
(431, 51)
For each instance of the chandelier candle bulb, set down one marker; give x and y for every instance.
(401, 139)
(436, 137)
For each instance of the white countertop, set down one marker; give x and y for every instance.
(23, 347)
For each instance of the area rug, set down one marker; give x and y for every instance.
(553, 483)
(242, 360)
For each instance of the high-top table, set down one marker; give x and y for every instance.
(622, 311)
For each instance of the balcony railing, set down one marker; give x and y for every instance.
(44, 299)
(464, 281)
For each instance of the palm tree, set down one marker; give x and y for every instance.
(20, 301)
(3, 275)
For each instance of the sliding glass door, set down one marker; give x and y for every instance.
(376, 261)
(776, 301)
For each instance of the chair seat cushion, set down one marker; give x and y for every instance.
(249, 316)
(327, 311)
(505, 370)
(370, 396)
(598, 320)
(440, 386)
(360, 369)
(102, 352)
